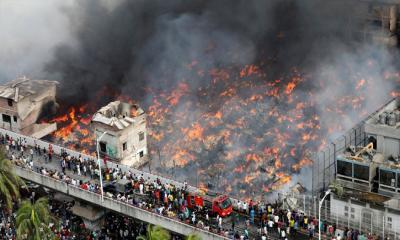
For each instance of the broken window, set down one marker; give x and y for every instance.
(15, 118)
(6, 118)
(141, 154)
(10, 102)
(103, 147)
(141, 136)
(124, 146)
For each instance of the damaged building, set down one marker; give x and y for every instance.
(22, 101)
(379, 21)
(125, 139)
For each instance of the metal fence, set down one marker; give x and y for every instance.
(324, 162)
(347, 214)
(324, 166)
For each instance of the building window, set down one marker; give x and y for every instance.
(15, 118)
(103, 147)
(6, 118)
(141, 136)
(141, 154)
(389, 222)
(346, 211)
(124, 146)
(10, 102)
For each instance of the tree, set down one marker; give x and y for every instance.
(336, 188)
(10, 182)
(155, 233)
(193, 236)
(33, 220)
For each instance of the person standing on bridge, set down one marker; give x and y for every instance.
(31, 152)
(78, 169)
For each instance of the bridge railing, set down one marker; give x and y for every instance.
(57, 149)
(115, 205)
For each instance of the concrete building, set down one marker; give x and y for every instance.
(125, 140)
(22, 101)
(370, 174)
(379, 21)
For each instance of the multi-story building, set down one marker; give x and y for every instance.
(366, 163)
(22, 101)
(125, 137)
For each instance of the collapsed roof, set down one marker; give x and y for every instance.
(21, 88)
(117, 114)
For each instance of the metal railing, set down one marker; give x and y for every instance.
(346, 214)
(114, 205)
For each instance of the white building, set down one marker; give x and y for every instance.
(22, 101)
(371, 176)
(125, 140)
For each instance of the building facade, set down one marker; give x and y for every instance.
(124, 129)
(22, 101)
(370, 173)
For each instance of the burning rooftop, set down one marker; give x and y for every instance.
(22, 101)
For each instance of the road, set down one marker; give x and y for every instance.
(39, 161)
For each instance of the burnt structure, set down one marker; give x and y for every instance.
(125, 137)
(22, 101)
(379, 21)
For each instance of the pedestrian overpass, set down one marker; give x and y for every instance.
(113, 205)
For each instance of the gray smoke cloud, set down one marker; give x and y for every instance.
(29, 32)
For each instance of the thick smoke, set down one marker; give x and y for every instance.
(29, 32)
(129, 47)
(134, 44)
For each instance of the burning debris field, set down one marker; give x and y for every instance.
(243, 134)
(237, 96)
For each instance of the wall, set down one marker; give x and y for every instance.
(11, 111)
(365, 218)
(129, 135)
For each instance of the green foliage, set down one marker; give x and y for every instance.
(155, 233)
(33, 220)
(336, 188)
(9, 181)
(193, 236)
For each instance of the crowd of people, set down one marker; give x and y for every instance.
(252, 220)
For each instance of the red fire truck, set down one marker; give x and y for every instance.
(221, 204)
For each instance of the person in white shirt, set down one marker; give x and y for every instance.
(141, 188)
(239, 206)
(245, 207)
(193, 218)
(283, 234)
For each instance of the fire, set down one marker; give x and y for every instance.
(290, 87)
(303, 162)
(360, 84)
(195, 133)
(180, 91)
(246, 130)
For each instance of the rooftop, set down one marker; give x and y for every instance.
(118, 114)
(20, 88)
(388, 116)
(364, 155)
